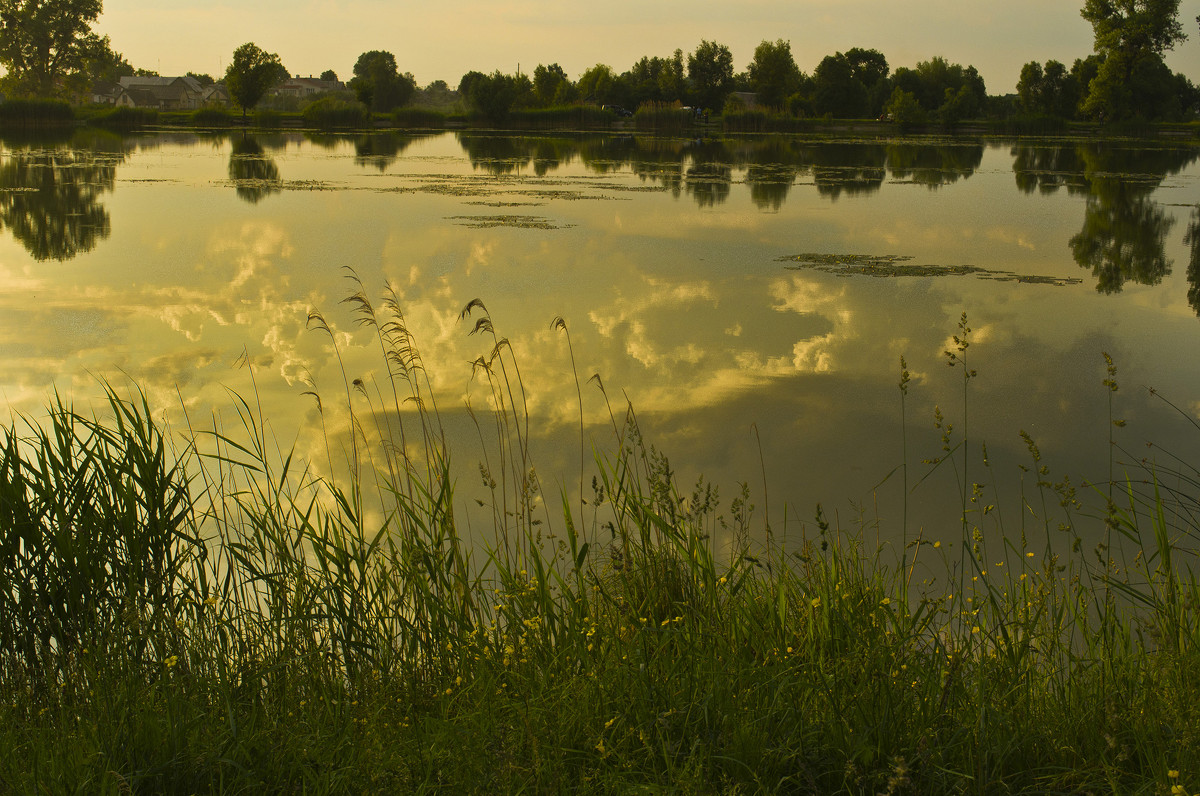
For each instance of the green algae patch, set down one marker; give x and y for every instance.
(519, 222)
(897, 265)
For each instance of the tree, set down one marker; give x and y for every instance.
(495, 95)
(710, 68)
(671, 85)
(773, 73)
(597, 83)
(378, 84)
(201, 78)
(1051, 91)
(1130, 35)
(835, 89)
(44, 42)
(547, 83)
(329, 76)
(870, 68)
(251, 73)
(100, 66)
(903, 109)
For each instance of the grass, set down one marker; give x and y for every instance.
(30, 114)
(199, 612)
(331, 113)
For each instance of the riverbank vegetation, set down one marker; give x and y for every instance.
(1124, 81)
(196, 610)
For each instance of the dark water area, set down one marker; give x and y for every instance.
(750, 297)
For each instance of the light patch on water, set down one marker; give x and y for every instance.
(1011, 238)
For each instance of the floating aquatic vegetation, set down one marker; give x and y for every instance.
(506, 204)
(520, 222)
(894, 265)
(260, 183)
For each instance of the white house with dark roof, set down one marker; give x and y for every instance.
(306, 86)
(162, 93)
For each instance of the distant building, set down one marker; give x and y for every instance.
(166, 93)
(306, 87)
(104, 93)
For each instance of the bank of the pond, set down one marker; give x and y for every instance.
(340, 115)
(188, 613)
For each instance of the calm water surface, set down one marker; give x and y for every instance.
(751, 297)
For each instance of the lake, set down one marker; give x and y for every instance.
(749, 297)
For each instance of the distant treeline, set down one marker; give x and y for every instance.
(1124, 81)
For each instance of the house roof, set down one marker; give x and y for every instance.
(159, 82)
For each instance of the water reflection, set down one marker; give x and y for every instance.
(709, 176)
(1191, 239)
(252, 171)
(933, 166)
(50, 196)
(850, 168)
(502, 155)
(771, 171)
(380, 150)
(1123, 237)
(1048, 168)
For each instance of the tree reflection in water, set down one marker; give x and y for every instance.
(1124, 231)
(380, 150)
(50, 198)
(252, 171)
(1123, 237)
(1191, 239)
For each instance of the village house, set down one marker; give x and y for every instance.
(168, 93)
(303, 87)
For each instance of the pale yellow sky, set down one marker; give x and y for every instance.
(443, 40)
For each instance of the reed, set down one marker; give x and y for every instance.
(31, 114)
(333, 113)
(421, 118)
(664, 117)
(125, 119)
(199, 611)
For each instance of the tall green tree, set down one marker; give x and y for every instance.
(870, 68)
(1132, 37)
(548, 83)
(496, 94)
(836, 90)
(251, 73)
(710, 68)
(1050, 91)
(100, 65)
(378, 84)
(773, 73)
(45, 42)
(597, 83)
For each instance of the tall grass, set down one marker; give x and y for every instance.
(428, 118)
(27, 114)
(330, 113)
(213, 616)
(664, 117)
(125, 118)
(213, 117)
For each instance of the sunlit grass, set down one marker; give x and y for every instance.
(194, 610)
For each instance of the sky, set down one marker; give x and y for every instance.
(444, 39)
